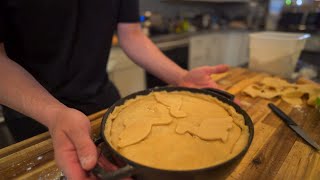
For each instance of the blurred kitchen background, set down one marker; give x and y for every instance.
(209, 32)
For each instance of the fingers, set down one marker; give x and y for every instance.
(85, 147)
(67, 158)
(216, 69)
(74, 150)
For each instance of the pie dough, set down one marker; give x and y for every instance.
(176, 130)
(293, 94)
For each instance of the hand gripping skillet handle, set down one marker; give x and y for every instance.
(120, 173)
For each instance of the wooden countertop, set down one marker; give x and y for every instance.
(276, 151)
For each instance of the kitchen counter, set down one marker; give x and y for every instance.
(275, 153)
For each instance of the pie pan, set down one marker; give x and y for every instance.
(140, 171)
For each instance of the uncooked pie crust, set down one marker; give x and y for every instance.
(176, 130)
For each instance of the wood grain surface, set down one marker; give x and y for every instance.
(276, 151)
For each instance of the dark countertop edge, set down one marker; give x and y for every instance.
(172, 37)
(175, 37)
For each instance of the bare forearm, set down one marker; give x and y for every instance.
(143, 52)
(20, 91)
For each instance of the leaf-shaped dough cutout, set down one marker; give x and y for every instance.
(134, 133)
(173, 102)
(209, 129)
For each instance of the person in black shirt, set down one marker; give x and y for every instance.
(53, 56)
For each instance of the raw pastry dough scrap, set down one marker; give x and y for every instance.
(209, 129)
(313, 92)
(291, 93)
(292, 96)
(219, 76)
(276, 83)
(148, 128)
(261, 91)
(292, 100)
(312, 100)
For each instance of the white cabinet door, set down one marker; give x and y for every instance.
(244, 49)
(127, 76)
(198, 51)
(118, 59)
(206, 50)
(218, 48)
(236, 48)
(231, 54)
(128, 80)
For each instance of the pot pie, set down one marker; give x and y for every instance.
(176, 130)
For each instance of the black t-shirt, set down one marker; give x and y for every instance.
(65, 45)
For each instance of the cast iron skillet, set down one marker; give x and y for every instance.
(133, 168)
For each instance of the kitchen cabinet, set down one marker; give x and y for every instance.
(199, 50)
(236, 48)
(219, 47)
(177, 51)
(126, 75)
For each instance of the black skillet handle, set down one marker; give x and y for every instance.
(123, 172)
(98, 140)
(220, 92)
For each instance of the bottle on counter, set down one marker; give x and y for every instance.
(146, 23)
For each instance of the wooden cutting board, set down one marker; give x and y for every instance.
(276, 151)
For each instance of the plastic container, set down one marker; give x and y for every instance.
(276, 53)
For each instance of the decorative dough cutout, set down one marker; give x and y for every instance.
(209, 129)
(139, 130)
(174, 104)
(134, 133)
(164, 119)
(136, 130)
(177, 113)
